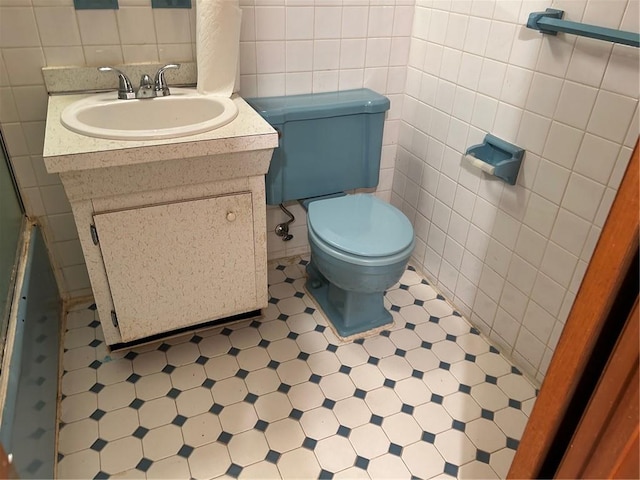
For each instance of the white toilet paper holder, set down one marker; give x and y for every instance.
(496, 157)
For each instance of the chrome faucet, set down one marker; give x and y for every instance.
(147, 89)
(161, 88)
(125, 89)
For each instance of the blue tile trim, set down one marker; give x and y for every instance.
(95, 4)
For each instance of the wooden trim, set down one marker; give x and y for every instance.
(610, 262)
(610, 421)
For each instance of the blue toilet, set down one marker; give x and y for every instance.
(360, 245)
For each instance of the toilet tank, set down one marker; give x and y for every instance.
(329, 142)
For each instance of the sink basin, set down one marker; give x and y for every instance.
(184, 112)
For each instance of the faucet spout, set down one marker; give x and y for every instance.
(125, 89)
(160, 84)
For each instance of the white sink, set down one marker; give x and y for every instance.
(184, 112)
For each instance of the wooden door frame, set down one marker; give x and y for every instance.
(611, 260)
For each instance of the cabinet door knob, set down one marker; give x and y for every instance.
(231, 216)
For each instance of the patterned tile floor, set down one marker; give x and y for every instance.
(282, 396)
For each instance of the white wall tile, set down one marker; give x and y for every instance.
(621, 75)
(544, 94)
(270, 23)
(562, 144)
(530, 245)
(539, 322)
(31, 102)
(172, 25)
(378, 52)
(596, 158)
(57, 26)
(558, 264)
(533, 132)
(24, 65)
(64, 56)
(575, 104)
(612, 115)
(555, 56)
(589, 60)
(326, 54)
(521, 274)
(299, 23)
(583, 196)
(327, 22)
(270, 57)
(506, 326)
(98, 27)
(548, 294)
(570, 231)
(18, 27)
(99, 55)
(456, 31)
(299, 56)
(354, 21)
(298, 83)
(136, 25)
(551, 181)
(477, 35)
(491, 283)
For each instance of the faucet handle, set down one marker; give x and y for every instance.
(161, 87)
(125, 89)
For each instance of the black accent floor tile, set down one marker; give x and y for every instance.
(328, 403)
(309, 443)
(173, 393)
(97, 414)
(435, 398)
(234, 470)
(428, 437)
(464, 388)
(376, 419)
(98, 445)
(483, 456)
(360, 393)
(140, 432)
(225, 437)
(201, 360)
(185, 451)
(395, 449)
(179, 420)
(144, 464)
(488, 414)
(362, 462)
(272, 456)
(451, 469)
(261, 425)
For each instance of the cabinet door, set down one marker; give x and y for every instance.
(179, 264)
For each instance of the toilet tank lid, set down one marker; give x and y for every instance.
(278, 110)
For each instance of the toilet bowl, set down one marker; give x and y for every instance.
(360, 245)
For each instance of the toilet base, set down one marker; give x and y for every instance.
(349, 312)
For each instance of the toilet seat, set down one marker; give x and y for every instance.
(361, 229)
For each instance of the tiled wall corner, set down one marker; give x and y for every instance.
(512, 257)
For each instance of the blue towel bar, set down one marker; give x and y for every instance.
(550, 22)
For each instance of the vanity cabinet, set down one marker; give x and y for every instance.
(170, 266)
(173, 232)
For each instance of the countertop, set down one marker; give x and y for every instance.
(65, 150)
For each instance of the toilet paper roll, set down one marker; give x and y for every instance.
(484, 166)
(217, 45)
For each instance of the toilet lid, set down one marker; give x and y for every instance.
(361, 225)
